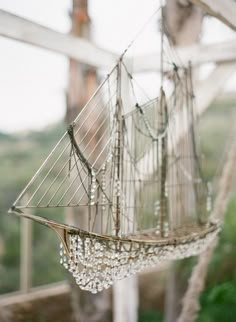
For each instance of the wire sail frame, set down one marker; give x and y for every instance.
(134, 176)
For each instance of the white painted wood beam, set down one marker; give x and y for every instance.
(26, 31)
(210, 88)
(205, 94)
(125, 292)
(23, 30)
(197, 54)
(224, 10)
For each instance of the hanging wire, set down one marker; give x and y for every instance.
(140, 32)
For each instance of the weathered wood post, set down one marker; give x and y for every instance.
(86, 307)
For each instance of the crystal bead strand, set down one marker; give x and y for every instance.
(93, 188)
(97, 264)
(63, 257)
(61, 254)
(166, 229)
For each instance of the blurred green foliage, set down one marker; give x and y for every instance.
(218, 303)
(20, 156)
(150, 316)
(218, 300)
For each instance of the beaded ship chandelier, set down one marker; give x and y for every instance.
(130, 169)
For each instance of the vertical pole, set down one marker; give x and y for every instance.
(79, 75)
(163, 145)
(118, 148)
(162, 45)
(125, 292)
(163, 168)
(25, 255)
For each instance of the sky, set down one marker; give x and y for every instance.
(33, 81)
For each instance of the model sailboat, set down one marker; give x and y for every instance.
(133, 174)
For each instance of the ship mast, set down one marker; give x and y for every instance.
(118, 151)
(163, 141)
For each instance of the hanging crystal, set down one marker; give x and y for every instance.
(93, 187)
(96, 263)
(166, 229)
(156, 208)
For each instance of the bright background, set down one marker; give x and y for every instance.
(33, 81)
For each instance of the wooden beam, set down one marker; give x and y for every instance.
(197, 54)
(210, 88)
(224, 10)
(48, 303)
(23, 30)
(205, 94)
(52, 302)
(26, 31)
(228, 96)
